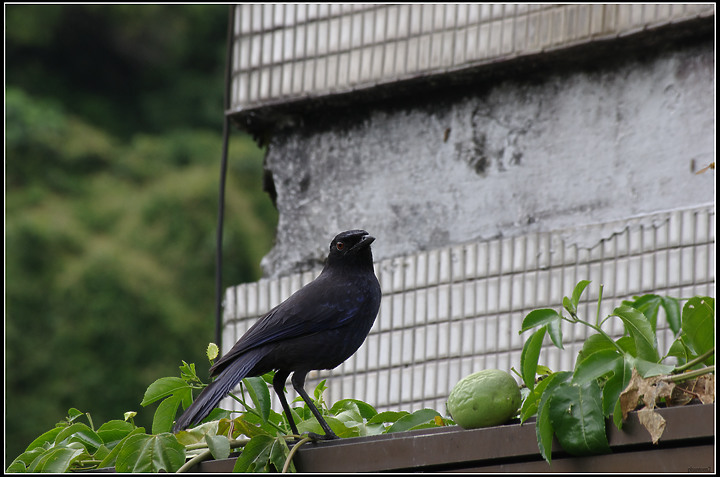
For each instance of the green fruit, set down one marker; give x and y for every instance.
(483, 399)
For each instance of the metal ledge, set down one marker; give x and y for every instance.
(688, 445)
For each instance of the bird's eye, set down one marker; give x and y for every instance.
(340, 246)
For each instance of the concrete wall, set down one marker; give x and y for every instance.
(554, 148)
(561, 146)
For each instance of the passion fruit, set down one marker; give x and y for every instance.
(484, 399)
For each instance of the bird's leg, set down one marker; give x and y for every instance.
(298, 382)
(279, 385)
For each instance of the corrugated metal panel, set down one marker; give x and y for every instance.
(447, 313)
(284, 52)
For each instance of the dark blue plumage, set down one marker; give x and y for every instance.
(318, 327)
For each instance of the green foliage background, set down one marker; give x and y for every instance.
(113, 143)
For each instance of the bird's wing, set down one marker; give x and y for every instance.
(307, 312)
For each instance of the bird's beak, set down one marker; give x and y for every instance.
(364, 242)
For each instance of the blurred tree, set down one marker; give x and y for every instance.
(125, 68)
(113, 120)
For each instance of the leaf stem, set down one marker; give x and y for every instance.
(695, 361)
(234, 444)
(254, 412)
(691, 374)
(195, 460)
(597, 316)
(599, 330)
(304, 440)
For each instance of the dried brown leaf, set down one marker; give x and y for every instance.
(653, 422)
(679, 396)
(702, 388)
(707, 395)
(630, 395)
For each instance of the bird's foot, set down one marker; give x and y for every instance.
(312, 436)
(322, 437)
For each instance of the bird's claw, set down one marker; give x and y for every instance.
(322, 437)
(314, 437)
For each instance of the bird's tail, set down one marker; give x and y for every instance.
(218, 389)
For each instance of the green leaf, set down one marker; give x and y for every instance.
(268, 378)
(648, 305)
(48, 436)
(617, 414)
(568, 305)
(577, 417)
(197, 434)
(615, 385)
(249, 429)
(595, 365)
(151, 453)
(59, 459)
(543, 426)
(698, 323)
(319, 390)
(187, 372)
(110, 459)
(279, 452)
(101, 453)
(338, 427)
(543, 370)
(217, 414)
(39, 459)
(426, 425)
(255, 455)
(365, 409)
(23, 461)
(421, 416)
(539, 317)
(114, 431)
(578, 291)
(647, 369)
(212, 351)
(595, 343)
(219, 446)
(529, 357)
(351, 414)
(16, 467)
(74, 414)
(641, 332)
(260, 395)
(163, 388)
(274, 418)
(165, 414)
(387, 416)
(672, 313)
(679, 351)
(80, 432)
(555, 332)
(532, 400)
(627, 344)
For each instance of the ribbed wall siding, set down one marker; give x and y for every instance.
(447, 313)
(283, 52)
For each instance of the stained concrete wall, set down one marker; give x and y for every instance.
(545, 149)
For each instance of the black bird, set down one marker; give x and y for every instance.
(318, 327)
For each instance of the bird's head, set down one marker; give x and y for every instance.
(352, 246)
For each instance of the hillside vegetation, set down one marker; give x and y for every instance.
(113, 145)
